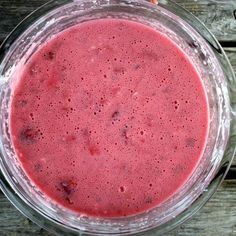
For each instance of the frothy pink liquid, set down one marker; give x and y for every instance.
(109, 118)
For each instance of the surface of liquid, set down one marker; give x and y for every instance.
(109, 118)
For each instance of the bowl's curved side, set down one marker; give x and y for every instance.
(56, 227)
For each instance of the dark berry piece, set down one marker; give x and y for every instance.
(119, 70)
(148, 200)
(68, 186)
(122, 189)
(137, 66)
(190, 142)
(49, 55)
(115, 115)
(38, 167)
(124, 134)
(29, 135)
(151, 55)
(21, 103)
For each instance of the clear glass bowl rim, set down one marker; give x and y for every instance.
(54, 226)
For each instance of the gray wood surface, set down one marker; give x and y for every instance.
(218, 15)
(218, 217)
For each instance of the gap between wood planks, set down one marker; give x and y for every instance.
(224, 14)
(228, 44)
(232, 173)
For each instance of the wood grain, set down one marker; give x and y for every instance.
(218, 15)
(231, 54)
(13, 11)
(12, 222)
(218, 217)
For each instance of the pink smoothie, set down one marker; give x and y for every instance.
(109, 118)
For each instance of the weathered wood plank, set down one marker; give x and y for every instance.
(218, 15)
(216, 218)
(12, 12)
(231, 53)
(12, 222)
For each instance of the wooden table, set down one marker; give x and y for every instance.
(218, 217)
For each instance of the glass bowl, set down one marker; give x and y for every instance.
(216, 74)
